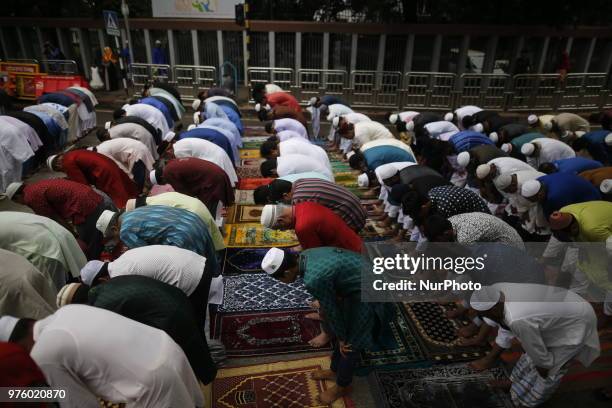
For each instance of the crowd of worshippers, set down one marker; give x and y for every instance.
(129, 241)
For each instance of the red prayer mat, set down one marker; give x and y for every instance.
(256, 334)
(281, 384)
(253, 183)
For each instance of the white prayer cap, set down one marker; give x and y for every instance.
(485, 298)
(548, 125)
(331, 116)
(270, 214)
(196, 104)
(393, 118)
(257, 107)
(506, 147)
(90, 270)
(530, 188)
(91, 148)
(130, 204)
(387, 172)
(267, 107)
(528, 149)
(503, 181)
(157, 42)
(606, 186)
(152, 177)
(566, 134)
(608, 139)
(312, 101)
(410, 126)
(494, 137)
(50, 160)
(483, 171)
(532, 119)
(168, 137)
(107, 125)
(7, 325)
(579, 133)
(124, 107)
(478, 128)
(12, 189)
(350, 154)
(66, 294)
(463, 159)
(363, 180)
(449, 117)
(273, 260)
(196, 118)
(336, 122)
(104, 220)
(191, 127)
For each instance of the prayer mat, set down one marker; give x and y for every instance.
(371, 230)
(340, 167)
(253, 162)
(249, 154)
(258, 334)
(438, 333)
(252, 183)
(244, 197)
(243, 260)
(248, 172)
(346, 179)
(451, 386)
(250, 143)
(260, 292)
(252, 132)
(284, 384)
(238, 214)
(398, 346)
(257, 236)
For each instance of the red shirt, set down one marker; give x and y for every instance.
(318, 226)
(283, 99)
(61, 198)
(88, 168)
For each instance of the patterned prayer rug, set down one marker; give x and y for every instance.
(257, 236)
(254, 162)
(255, 131)
(249, 154)
(258, 334)
(254, 142)
(451, 386)
(248, 172)
(371, 230)
(346, 179)
(285, 384)
(252, 183)
(244, 197)
(243, 260)
(244, 214)
(438, 333)
(253, 292)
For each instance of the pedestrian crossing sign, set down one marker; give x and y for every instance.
(111, 22)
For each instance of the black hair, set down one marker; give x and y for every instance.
(262, 115)
(266, 148)
(118, 113)
(411, 203)
(81, 294)
(400, 126)
(548, 168)
(289, 261)
(133, 101)
(261, 195)
(435, 226)
(277, 188)
(159, 176)
(268, 167)
(468, 121)
(356, 160)
(580, 144)
(101, 134)
(21, 330)
(388, 115)
(273, 138)
(102, 272)
(140, 201)
(269, 127)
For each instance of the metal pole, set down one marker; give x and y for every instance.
(247, 40)
(121, 67)
(126, 12)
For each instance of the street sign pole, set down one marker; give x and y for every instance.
(111, 22)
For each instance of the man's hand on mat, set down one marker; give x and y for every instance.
(319, 341)
(324, 375)
(315, 304)
(331, 394)
(345, 348)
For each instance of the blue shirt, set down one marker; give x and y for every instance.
(54, 129)
(233, 117)
(597, 147)
(159, 56)
(57, 98)
(160, 107)
(211, 135)
(231, 105)
(564, 189)
(379, 155)
(467, 139)
(227, 125)
(163, 225)
(575, 165)
(332, 100)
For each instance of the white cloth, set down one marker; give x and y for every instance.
(337, 109)
(290, 134)
(440, 129)
(227, 125)
(315, 121)
(550, 150)
(214, 99)
(509, 165)
(150, 114)
(272, 88)
(355, 117)
(299, 163)
(206, 150)
(96, 79)
(230, 138)
(290, 124)
(303, 147)
(212, 110)
(126, 152)
(169, 264)
(387, 142)
(14, 151)
(92, 352)
(87, 92)
(368, 131)
(465, 111)
(25, 130)
(136, 132)
(161, 93)
(51, 109)
(407, 116)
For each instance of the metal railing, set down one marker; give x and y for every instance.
(373, 88)
(191, 79)
(283, 77)
(428, 90)
(489, 91)
(314, 82)
(59, 67)
(143, 73)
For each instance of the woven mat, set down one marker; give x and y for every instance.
(239, 214)
(248, 172)
(285, 384)
(243, 260)
(257, 236)
(244, 197)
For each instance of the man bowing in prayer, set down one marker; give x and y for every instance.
(333, 277)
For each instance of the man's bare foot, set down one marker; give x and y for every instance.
(313, 316)
(324, 375)
(482, 363)
(319, 341)
(315, 304)
(502, 384)
(331, 394)
(471, 341)
(468, 331)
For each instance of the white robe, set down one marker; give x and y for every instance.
(136, 132)
(442, 130)
(227, 125)
(368, 131)
(206, 150)
(346, 145)
(14, 151)
(230, 138)
(299, 163)
(126, 152)
(150, 114)
(92, 352)
(465, 111)
(290, 124)
(407, 116)
(550, 150)
(334, 110)
(301, 146)
(25, 130)
(290, 134)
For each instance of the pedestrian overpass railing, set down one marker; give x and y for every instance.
(375, 88)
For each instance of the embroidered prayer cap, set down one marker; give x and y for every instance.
(196, 104)
(503, 181)
(104, 220)
(528, 149)
(393, 118)
(363, 180)
(12, 189)
(485, 298)
(463, 159)
(494, 137)
(90, 271)
(272, 260)
(530, 188)
(606, 186)
(532, 119)
(483, 171)
(449, 117)
(410, 126)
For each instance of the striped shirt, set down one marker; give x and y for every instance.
(337, 198)
(163, 225)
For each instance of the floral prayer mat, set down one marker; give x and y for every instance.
(254, 142)
(243, 260)
(260, 292)
(244, 197)
(257, 236)
(252, 183)
(252, 162)
(258, 334)
(274, 385)
(438, 334)
(248, 172)
(244, 214)
(248, 154)
(451, 386)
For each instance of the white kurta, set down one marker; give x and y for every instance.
(25, 130)
(93, 352)
(507, 165)
(301, 146)
(136, 132)
(220, 98)
(150, 114)
(227, 125)
(126, 152)
(87, 92)
(336, 109)
(290, 124)
(441, 129)
(290, 134)
(384, 190)
(299, 163)
(407, 116)
(234, 143)
(346, 144)
(206, 150)
(14, 150)
(272, 88)
(551, 150)
(465, 111)
(368, 131)
(180, 109)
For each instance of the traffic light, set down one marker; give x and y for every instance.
(239, 14)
